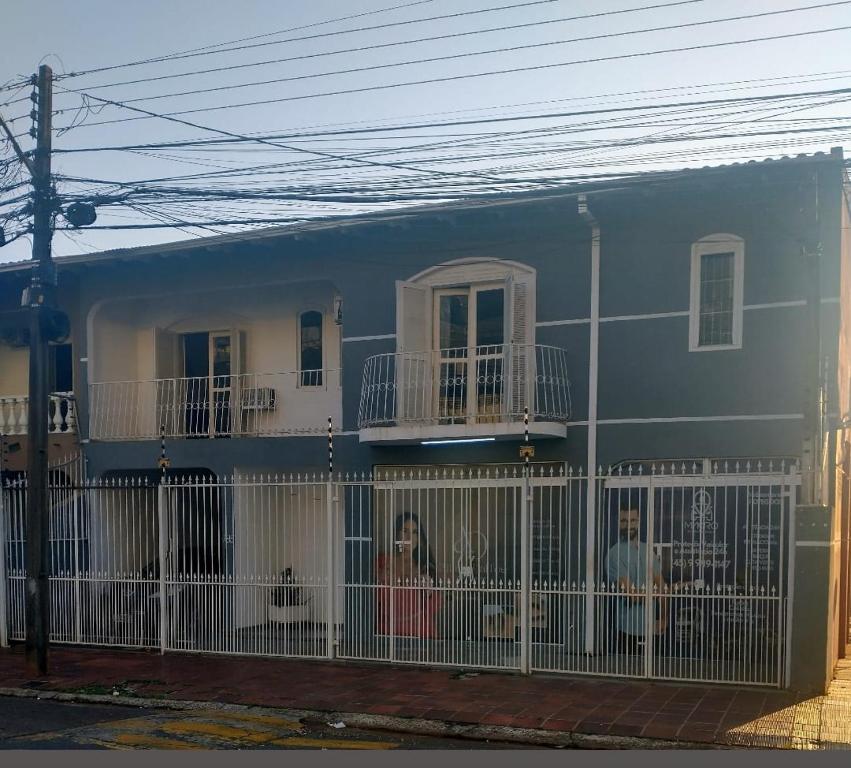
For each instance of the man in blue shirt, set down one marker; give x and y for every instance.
(626, 573)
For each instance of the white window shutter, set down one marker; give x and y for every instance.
(519, 336)
(238, 353)
(413, 343)
(238, 381)
(168, 370)
(412, 316)
(167, 354)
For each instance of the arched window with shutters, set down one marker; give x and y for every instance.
(465, 336)
(310, 349)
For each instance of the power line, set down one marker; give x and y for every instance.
(302, 26)
(193, 54)
(263, 141)
(610, 124)
(452, 78)
(475, 121)
(309, 130)
(434, 59)
(362, 48)
(209, 194)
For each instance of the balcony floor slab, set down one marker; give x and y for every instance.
(417, 433)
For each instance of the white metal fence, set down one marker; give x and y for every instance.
(678, 573)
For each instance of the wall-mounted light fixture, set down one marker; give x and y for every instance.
(459, 440)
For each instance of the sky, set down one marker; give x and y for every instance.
(426, 141)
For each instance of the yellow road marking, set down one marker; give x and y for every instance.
(301, 741)
(273, 722)
(138, 733)
(150, 741)
(217, 731)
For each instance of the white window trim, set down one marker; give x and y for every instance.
(719, 242)
(470, 274)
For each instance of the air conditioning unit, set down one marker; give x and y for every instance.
(258, 399)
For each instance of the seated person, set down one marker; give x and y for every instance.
(407, 604)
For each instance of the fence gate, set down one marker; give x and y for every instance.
(685, 577)
(248, 564)
(102, 543)
(436, 568)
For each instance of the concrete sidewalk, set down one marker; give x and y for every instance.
(616, 709)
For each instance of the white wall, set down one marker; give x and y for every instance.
(122, 348)
(14, 371)
(275, 528)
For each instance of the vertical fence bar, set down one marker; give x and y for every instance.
(161, 522)
(5, 613)
(525, 571)
(650, 596)
(75, 560)
(330, 617)
(790, 581)
(590, 554)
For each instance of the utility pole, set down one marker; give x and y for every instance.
(35, 324)
(39, 299)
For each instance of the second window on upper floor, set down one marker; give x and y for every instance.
(717, 276)
(310, 348)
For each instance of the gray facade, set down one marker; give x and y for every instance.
(656, 399)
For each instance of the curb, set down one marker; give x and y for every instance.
(412, 726)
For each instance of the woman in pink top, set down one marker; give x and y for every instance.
(407, 601)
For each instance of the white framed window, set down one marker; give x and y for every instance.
(717, 293)
(465, 336)
(310, 348)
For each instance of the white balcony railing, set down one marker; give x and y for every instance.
(61, 415)
(485, 385)
(250, 404)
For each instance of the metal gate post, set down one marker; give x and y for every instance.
(649, 593)
(392, 589)
(525, 573)
(161, 520)
(4, 576)
(590, 557)
(75, 537)
(330, 602)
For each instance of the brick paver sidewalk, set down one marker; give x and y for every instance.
(720, 715)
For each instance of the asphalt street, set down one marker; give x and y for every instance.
(36, 724)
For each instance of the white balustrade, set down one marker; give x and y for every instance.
(485, 384)
(245, 405)
(61, 415)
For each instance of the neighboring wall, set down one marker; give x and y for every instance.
(842, 505)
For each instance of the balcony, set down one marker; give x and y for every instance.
(246, 405)
(409, 397)
(61, 415)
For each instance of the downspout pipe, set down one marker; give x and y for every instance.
(593, 359)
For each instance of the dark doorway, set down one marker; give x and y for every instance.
(208, 372)
(61, 368)
(196, 370)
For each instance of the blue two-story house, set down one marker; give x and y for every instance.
(538, 405)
